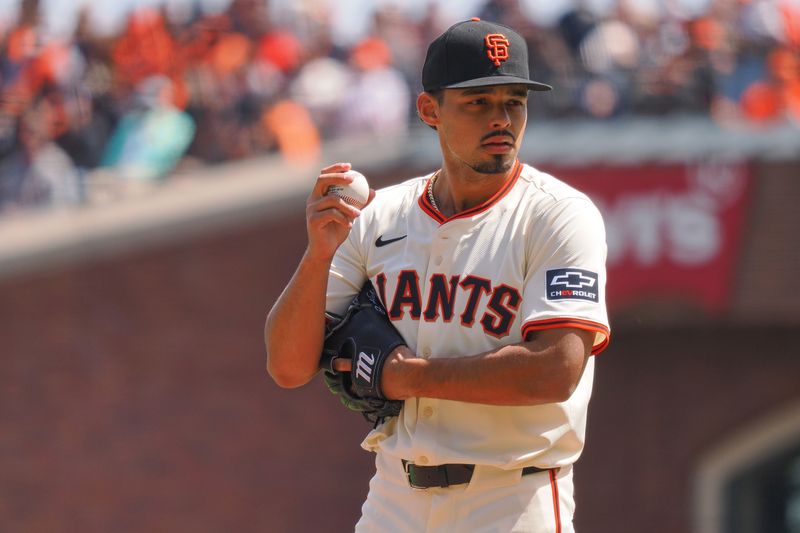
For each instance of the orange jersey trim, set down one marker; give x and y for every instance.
(425, 203)
(567, 322)
(556, 506)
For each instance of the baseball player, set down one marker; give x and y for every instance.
(493, 274)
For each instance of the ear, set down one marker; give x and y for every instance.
(428, 109)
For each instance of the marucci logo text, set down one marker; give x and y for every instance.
(364, 366)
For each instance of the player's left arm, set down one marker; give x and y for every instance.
(544, 369)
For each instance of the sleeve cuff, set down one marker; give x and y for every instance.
(602, 332)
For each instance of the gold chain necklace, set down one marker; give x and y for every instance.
(430, 192)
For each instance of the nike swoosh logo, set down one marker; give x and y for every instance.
(380, 242)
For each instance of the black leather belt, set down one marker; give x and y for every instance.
(425, 477)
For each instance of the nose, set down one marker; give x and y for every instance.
(500, 118)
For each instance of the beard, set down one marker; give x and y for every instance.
(500, 163)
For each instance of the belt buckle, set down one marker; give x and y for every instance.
(407, 470)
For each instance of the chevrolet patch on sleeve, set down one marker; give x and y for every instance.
(572, 284)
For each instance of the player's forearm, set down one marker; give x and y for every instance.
(294, 330)
(520, 374)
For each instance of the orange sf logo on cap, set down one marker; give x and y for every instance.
(497, 48)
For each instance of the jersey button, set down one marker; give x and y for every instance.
(438, 260)
(428, 412)
(422, 460)
(426, 352)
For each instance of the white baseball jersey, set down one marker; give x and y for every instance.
(532, 257)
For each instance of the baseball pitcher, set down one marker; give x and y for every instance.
(459, 312)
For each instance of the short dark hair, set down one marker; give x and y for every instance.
(438, 94)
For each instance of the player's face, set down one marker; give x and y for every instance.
(482, 127)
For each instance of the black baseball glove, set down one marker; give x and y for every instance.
(365, 336)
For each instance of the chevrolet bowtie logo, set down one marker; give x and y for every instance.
(573, 280)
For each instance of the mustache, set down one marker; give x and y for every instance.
(498, 133)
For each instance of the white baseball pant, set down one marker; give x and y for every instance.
(495, 501)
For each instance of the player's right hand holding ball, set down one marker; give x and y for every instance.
(329, 217)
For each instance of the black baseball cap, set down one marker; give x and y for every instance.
(477, 53)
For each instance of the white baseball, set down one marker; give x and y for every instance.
(356, 193)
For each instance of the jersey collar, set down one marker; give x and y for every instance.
(426, 206)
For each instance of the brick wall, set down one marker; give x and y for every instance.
(133, 397)
(661, 400)
(766, 291)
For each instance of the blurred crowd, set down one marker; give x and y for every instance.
(169, 92)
